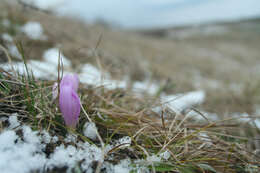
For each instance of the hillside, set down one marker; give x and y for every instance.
(176, 100)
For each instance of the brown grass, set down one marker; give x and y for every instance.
(182, 64)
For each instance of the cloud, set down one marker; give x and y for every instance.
(155, 13)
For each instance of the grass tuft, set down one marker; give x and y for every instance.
(193, 147)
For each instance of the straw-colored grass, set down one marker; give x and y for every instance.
(204, 146)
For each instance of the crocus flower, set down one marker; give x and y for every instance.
(69, 100)
(71, 79)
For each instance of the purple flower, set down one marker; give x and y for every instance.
(69, 100)
(71, 79)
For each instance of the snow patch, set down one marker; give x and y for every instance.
(34, 30)
(246, 118)
(93, 76)
(51, 56)
(90, 130)
(181, 102)
(14, 51)
(17, 155)
(70, 138)
(13, 121)
(257, 123)
(6, 37)
(199, 115)
(165, 155)
(125, 141)
(46, 138)
(153, 158)
(26, 154)
(48, 68)
(146, 86)
(122, 167)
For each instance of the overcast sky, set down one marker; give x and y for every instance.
(157, 13)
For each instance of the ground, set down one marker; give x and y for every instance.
(190, 92)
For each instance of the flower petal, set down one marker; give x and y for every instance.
(71, 79)
(69, 105)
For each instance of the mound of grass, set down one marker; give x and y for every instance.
(182, 144)
(163, 141)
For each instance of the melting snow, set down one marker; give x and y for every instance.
(257, 123)
(246, 118)
(26, 154)
(181, 102)
(34, 31)
(48, 68)
(123, 167)
(13, 121)
(125, 141)
(165, 155)
(6, 37)
(51, 56)
(198, 116)
(90, 130)
(146, 86)
(14, 51)
(153, 158)
(93, 76)
(19, 156)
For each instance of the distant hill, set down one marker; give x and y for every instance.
(252, 24)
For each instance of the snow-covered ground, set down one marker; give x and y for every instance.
(24, 150)
(27, 151)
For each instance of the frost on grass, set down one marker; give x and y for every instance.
(25, 152)
(34, 30)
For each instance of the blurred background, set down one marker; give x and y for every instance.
(200, 58)
(155, 13)
(178, 46)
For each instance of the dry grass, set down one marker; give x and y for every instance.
(179, 64)
(192, 146)
(214, 62)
